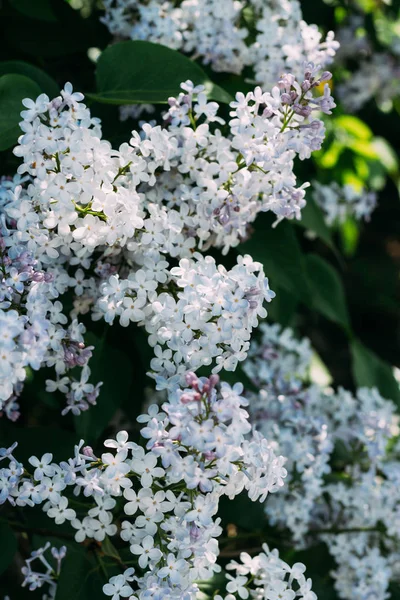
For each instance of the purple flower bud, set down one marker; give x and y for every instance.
(206, 387)
(192, 380)
(286, 98)
(225, 215)
(194, 532)
(38, 276)
(326, 76)
(56, 103)
(267, 113)
(186, 398)
(209, 455)
(302, 110)
(88, 451)
(214, 380)
(70, 357)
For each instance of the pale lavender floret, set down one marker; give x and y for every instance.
(211, 454)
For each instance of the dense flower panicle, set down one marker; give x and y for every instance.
(198, 448)
(341, 203)
(267, 576)
(276, 354)
(104, 223)
(206, 313)
(34, 331)
(217, 182)
(343, 479)
(371, 74)
(170, 189)
(218, 32)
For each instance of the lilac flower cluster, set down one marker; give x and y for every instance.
(198, 448)
(343, 451)
(369, 73)
(207, 313)
(104, 222)
(267, 576)
(218, 32)
(34, 330)
(341, 203)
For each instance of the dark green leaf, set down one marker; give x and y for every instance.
(38, 440)
(279, 251)
(111, 366)
(371, 371)
(80, 578)
(242, 512)
(109, 549)
(328, 295)
(349, 233)
(44, 81)
(312, 218)
(13, 89)
(8, 546)
(68, 34)
(142, 72)
(37, 9)
(283, 307)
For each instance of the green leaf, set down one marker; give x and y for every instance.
(363, 148)
(44, 81)
(109, 549)
(8, 546)
(68, 35)
(38, 440)
(80, 577)
(327, 291)
(278, 249)
(243, 512)
(111, 366)
(137, 72)
(283, 307)
(371, 371)
(312, 218)
(13, 89)
(386, 154)
(350, 234)
(37, 9)
(329, 157)
(354, 126)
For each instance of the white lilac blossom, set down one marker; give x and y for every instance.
(267, 576)
(47, 573)
(218, 32)
(376, 72)
(34, 331)
(104, 223)
(205, 314)
(339, 203)
(342, 485)
(170, 189)
(199, 447)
